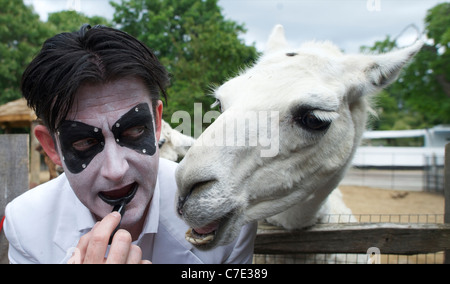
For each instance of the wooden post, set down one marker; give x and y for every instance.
(447, 194)
(14, 152)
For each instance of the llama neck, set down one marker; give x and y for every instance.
(307, 212)
(310, 211)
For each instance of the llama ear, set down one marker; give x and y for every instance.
(379, 71)
(384, 68)
(277, 40)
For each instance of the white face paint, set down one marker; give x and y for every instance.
(115, 168)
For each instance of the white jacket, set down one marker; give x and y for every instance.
(45, 224)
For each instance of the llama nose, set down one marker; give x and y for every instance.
(198, 187)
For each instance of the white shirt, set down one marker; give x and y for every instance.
(45, 224)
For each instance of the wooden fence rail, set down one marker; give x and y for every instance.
(390, 238)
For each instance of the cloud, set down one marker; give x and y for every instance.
(88, 7)
(348, 23)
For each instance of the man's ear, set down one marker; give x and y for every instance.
(48, 144)
(158, 118)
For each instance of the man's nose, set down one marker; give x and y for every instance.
(115, 164)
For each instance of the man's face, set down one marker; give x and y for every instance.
(108, 145)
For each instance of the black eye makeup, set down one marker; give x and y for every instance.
(81, 142)
(134, 130)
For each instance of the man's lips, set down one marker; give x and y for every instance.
(117, 196)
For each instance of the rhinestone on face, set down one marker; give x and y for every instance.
(83, 166)
(96, 129)
(144, 151)
(117, 124)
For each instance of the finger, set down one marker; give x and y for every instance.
(99, 238)
(75, 258)
(80, 250)
(120, 248)
(135, 255)
(144, 261)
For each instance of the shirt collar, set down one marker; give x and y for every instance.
(152, 219)
(85, 220)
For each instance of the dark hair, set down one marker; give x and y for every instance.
(95, 55)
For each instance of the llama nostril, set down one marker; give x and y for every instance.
(198, 186)
(181, 202)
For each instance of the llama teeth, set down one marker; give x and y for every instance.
(197, 239)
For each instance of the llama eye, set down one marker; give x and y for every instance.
(310, 121)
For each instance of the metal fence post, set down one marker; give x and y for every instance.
(447, 194)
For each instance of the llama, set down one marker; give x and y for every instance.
(173, 144)
(319, 99)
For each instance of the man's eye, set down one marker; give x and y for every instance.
(84, 144)
(133, 132)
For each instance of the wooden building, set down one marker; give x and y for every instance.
(16, 114)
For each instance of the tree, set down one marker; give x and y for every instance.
(198, 46)
(69, 21)
(421, 96)
(21, 35)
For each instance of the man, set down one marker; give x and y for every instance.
(97, 93)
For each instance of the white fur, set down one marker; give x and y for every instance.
(291, 189)
(174, 144)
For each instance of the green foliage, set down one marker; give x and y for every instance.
(198, 46)
(22, 34)
(69, 21)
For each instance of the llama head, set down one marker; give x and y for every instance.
(288, 131)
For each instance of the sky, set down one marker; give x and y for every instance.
(348, 23)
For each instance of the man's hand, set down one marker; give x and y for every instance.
(92, 247)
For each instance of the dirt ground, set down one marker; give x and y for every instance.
(367, 200)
